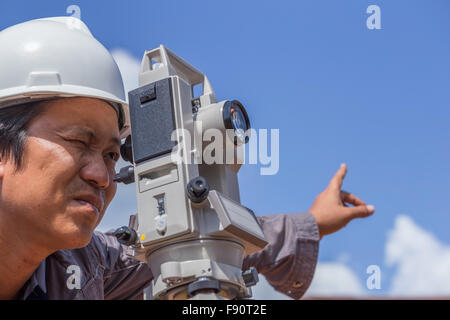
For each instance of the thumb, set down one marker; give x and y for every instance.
(361, 211)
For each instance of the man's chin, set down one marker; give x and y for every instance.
(76, 238)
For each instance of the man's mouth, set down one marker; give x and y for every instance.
(94, 202)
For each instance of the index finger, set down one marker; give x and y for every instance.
(338, 178)
(350, 198)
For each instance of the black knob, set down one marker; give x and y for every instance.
(198, 189)
(126, 235)
(125, 175)
(250, 277)
(126, 151)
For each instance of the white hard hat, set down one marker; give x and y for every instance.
(58, 57)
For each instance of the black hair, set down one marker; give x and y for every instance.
(14, 123)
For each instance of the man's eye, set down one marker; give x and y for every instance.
(113, 156)
(80, 142)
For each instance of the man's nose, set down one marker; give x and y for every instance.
(96, 173)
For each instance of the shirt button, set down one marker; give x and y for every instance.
(297, 284)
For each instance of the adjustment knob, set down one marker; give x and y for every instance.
(126, 235)
(125, 175)
(197, 189)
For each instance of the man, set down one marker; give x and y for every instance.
(62, 115)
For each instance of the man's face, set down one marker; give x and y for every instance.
(66, 182)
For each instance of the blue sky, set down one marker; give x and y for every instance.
(377, 100)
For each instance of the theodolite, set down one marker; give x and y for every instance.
(190, 227)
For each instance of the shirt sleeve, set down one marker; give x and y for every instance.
(124, 277)
(289, 260)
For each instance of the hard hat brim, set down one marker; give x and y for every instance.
(24, 94)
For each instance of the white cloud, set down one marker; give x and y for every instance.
(264, 291)
(422, 262)
(334, 279)
(331, 279)
(129, 67)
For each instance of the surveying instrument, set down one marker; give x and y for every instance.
(190, 227)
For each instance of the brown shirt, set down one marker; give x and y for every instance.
(107, 272)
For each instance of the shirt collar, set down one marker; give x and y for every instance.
(37, 279)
